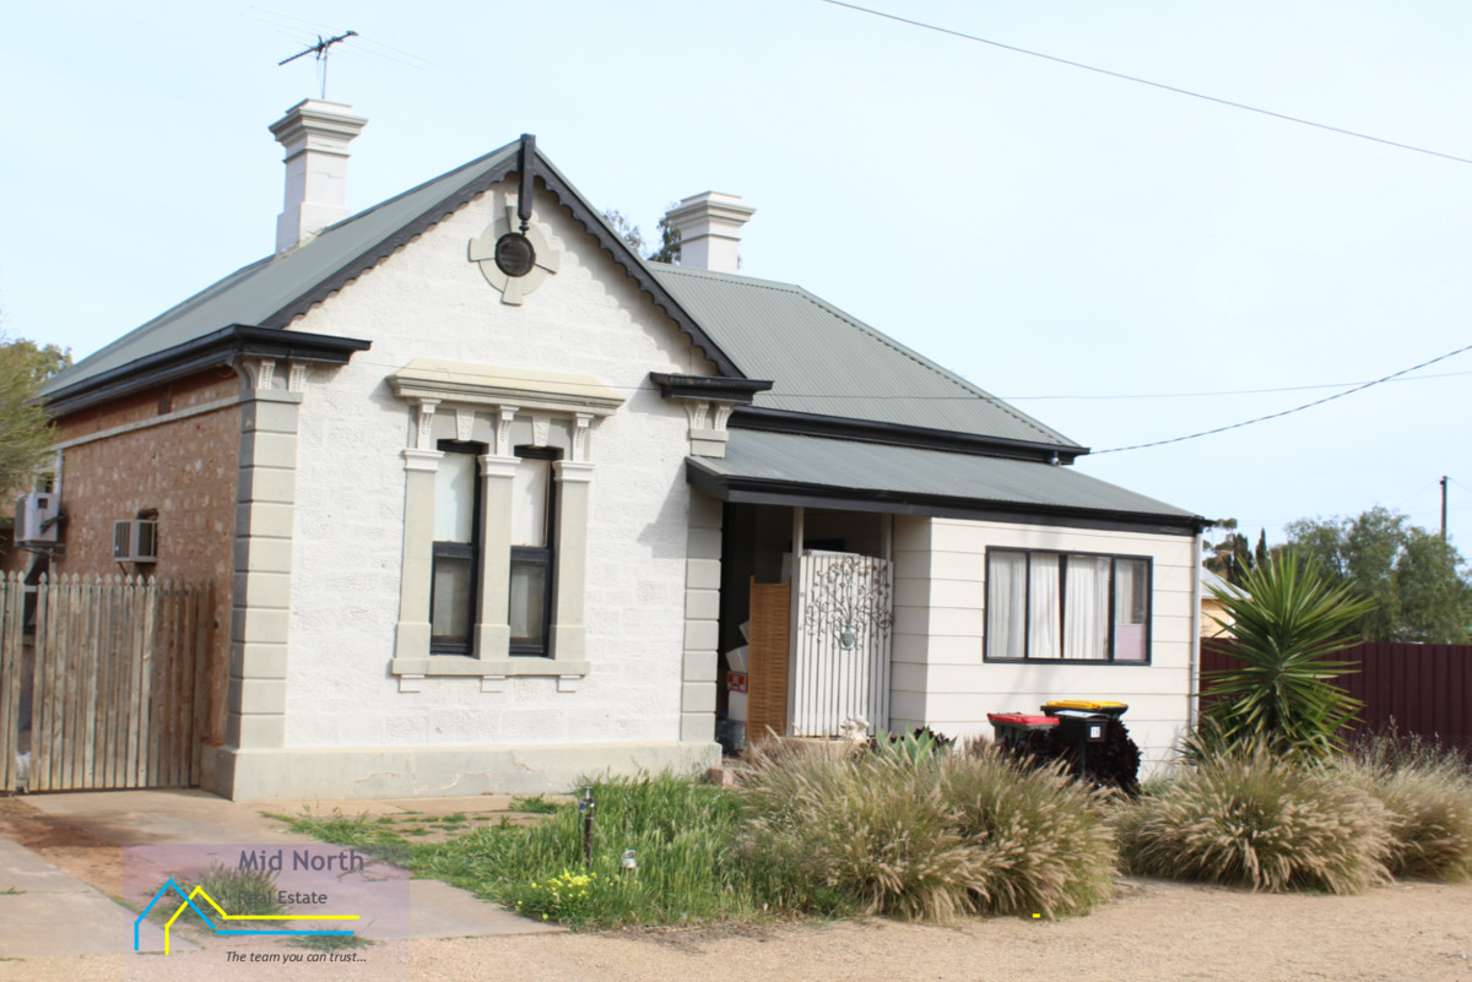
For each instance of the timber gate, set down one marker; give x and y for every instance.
(101, 682)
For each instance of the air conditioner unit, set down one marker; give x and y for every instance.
(135, 540)
(36, 518)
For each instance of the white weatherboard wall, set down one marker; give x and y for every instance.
(349, 730)
(939, 678)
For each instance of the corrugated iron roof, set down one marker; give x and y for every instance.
(823, 361)
(875, 470)
(256, 293)
(826, 362)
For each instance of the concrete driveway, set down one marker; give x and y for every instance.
(72, 859)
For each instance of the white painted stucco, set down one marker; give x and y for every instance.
(939, 678)
(428, 300)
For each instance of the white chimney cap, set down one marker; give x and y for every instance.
(710, 230)
(315, 134)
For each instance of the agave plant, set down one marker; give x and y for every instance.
(1287, 619)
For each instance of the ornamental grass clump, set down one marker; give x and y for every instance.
(843, 830)
(1046, 842)
(923, 836)
(1251, 818)
(1427, 794)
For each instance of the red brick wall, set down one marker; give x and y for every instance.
(186, 469)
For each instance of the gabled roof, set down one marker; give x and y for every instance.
(826, 364)
(271, 292)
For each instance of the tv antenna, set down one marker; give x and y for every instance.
(320, 49)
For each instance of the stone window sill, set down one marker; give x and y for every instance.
(466, 666)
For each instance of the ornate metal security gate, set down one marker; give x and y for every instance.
(841, 660)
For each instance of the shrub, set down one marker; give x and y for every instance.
(1287, 617)
(929, 837)
(1427, 793)
(568, 896)
(1047, 845)
(1252, 818)
(918, 746)
(831, 831)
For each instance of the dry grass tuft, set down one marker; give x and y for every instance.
(1427, 794)
(932, 839)
(1251, 818)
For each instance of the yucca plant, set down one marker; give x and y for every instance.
(1287, 619)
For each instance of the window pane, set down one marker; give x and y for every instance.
(1006, 604)
(450, 619)
(1086, 613)
(529, 503)
(454, 498)
(1043, 614)
(1131, 608)
(528, 597)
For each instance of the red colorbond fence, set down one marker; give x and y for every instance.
(1424, 688)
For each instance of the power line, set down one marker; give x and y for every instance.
(1227, 392)
(1153, 84)
(1288, 412)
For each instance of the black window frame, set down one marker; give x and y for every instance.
(1063, 554)
(472, 551)
(546, 556)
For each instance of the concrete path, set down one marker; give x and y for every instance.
(46, 913)
(83, 839)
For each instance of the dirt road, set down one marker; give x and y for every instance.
(1153, 931)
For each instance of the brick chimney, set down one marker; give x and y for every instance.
(316, 135)
(710, 230)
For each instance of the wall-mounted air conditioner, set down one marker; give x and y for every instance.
(135, 540)
(37, 518)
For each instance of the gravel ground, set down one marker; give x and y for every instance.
(1154, 930)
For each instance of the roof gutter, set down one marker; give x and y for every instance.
(220, 348)
(775, 491)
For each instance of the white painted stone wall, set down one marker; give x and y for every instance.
(427, 300)
(939, 678)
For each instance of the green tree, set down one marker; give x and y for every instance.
(669, 237)
(1419, 585)
(1288, 617)
(1232, 558)
(25, 433)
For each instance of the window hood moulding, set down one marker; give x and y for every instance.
(488, 385)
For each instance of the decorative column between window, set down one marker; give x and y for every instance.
(492, 627)
(569, 641)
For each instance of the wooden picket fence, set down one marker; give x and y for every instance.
(116, 671)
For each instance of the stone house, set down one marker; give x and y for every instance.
(491, 502)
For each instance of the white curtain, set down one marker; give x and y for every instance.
(1043, 615)
(529, 502)
(1086, 617)
(1006, 604)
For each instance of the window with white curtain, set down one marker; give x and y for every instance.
(456, 549)
(533, 511)
(1072, 607)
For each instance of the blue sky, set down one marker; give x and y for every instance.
(1043, 231)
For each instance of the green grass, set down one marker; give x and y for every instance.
(535, 805)
(684, 835)
(331, 942)
(11, 892)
